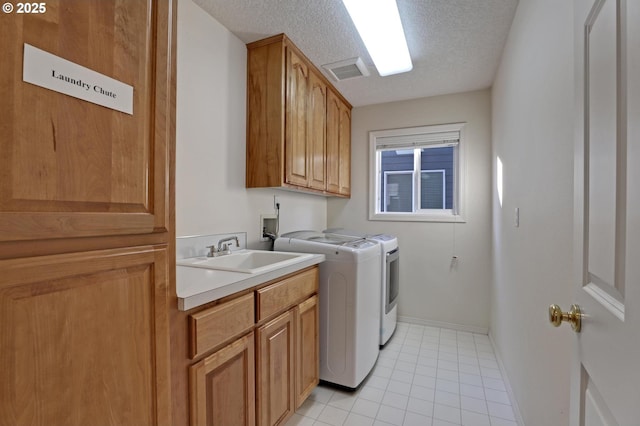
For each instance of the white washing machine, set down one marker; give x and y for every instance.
(349, 303)
(390, 282)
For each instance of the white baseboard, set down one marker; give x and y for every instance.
(442, 324)
(507, 384)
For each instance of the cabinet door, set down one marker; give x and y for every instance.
(297, 167)
(333, 143)
(85, 339)
(317, 113)
(275, 371)
(71, 168)
(222, 386)
(345, 151)
(338, 146)
(307, 348)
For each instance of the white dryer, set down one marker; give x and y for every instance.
(390, 282)
(349, 303)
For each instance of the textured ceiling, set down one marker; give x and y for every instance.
(455, 45)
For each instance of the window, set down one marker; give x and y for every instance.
(417, 174)
(434, 191)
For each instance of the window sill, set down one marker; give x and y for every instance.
(417, 217)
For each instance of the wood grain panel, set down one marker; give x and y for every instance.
(307, 348)
(214, 326)
(265, 116)
(284, 294)
(275, 371)
(296, 148)
(71, 168)
(223, 386)
(317, 128)
(84, 336)
(333, 143)
(345, 151)
(288, 123)
(338, 146)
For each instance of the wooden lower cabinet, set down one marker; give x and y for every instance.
(275, 370)
(213, 326)
(84, 338)
(222, 386)
(237, 386)
(306, 317)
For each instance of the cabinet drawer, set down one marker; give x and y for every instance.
(281, 295)
(213, 326)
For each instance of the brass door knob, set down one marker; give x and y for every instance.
(574, 316)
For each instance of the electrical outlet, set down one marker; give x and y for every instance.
(516, 220)
(276, 201)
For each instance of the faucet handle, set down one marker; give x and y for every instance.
(212, 251)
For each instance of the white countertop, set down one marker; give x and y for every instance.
(197, 286)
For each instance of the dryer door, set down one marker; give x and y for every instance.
(392, 280)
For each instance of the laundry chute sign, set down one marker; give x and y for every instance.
(55, 73)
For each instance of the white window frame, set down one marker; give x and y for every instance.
(428, 136)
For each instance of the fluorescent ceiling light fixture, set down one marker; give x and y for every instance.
(379, 26)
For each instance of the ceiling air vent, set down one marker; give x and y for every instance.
(349, 68)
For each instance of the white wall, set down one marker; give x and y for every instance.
(211, 197)
(532, 135)
(430, 290)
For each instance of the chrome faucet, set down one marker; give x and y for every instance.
(213, 251)
(222, 248)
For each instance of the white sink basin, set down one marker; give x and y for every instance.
(245, 261)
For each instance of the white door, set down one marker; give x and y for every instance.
(606, 370)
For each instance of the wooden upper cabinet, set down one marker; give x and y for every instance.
(317, 130)
(71, 168)
(287, 119)
(296, 149)
(345, 151)
(338, 146)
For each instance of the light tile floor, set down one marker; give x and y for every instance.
(424, 376)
